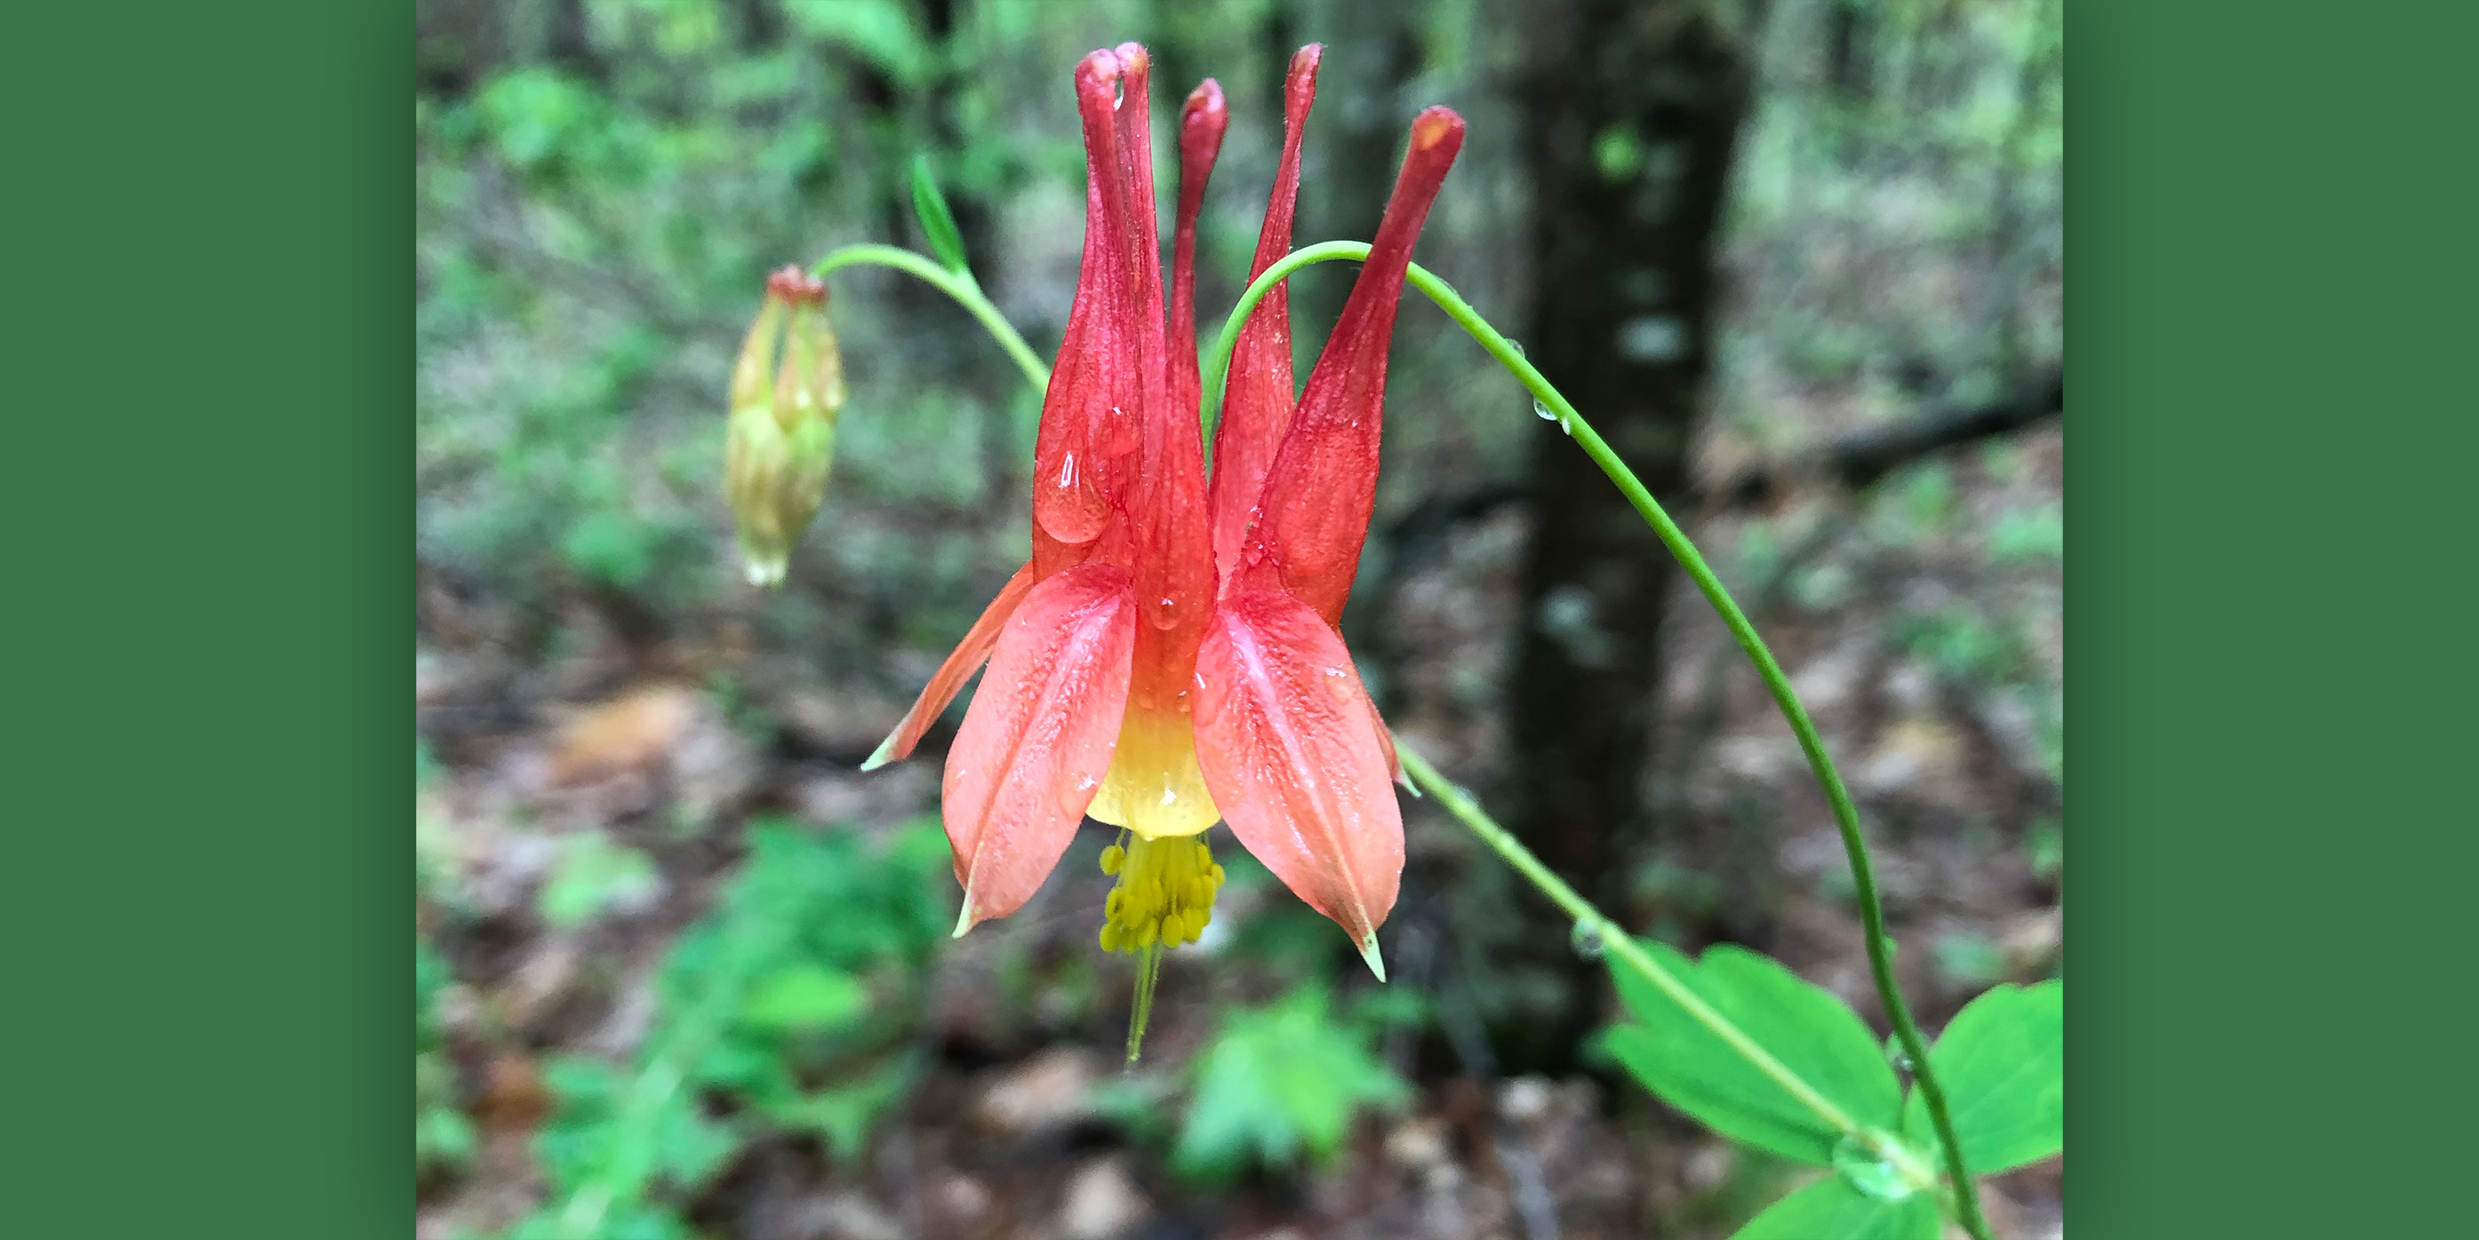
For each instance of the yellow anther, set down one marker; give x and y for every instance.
(1164, 897)
(1165, 892)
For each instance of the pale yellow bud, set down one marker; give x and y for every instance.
(780, 441)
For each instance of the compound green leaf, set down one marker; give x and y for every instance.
(1277, 1083)
(805, 996)
(2002, 1062)
(1812, 1033)
(1830, 1209)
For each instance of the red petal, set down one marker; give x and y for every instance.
(1089, 414)
(1314, 513)
(1289, 745)
(962, 662)
(1038, 738)
(1256, 406)
(1394, 761)
(1202, 122)
(1134, 210)
(1170, 551)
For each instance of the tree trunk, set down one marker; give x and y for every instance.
(1632, 113)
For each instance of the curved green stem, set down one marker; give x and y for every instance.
(1615, 937)
(959, 285)
(1845, 814)
(1618, 943)
(1219, 361)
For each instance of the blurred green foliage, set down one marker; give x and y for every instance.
(1278, 1084)
(592, 874)
(791, 1007)
(443, 1139)
(592, 230)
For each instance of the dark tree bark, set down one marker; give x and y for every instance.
(1633, 111)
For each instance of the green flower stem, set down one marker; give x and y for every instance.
(1846, 815)
(1615, 938)
(959, 285)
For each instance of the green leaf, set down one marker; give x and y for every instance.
(593, 874)
(878, 31)
(1811, 1032)
(1277, 1082)
(805, 996)
(2003, 1065)
(937, 223)
(1830, 1209)
(843, 1115)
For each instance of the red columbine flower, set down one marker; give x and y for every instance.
(1169, 657)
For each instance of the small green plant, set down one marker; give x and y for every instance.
(443, 1139)
(594, 874)
(1969, 958)
(2028, 535)
(2046, 850)
(788, 1008)
(1964, 648)
(1278, 1084)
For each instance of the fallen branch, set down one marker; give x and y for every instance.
(1858, 459)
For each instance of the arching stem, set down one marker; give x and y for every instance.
(1845, 814)
(961, 286)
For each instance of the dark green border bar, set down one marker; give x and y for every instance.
(2268, 223)
(210, 508)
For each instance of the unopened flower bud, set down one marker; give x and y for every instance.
(782, 436)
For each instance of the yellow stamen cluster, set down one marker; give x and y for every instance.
(1165, 893)
(1164, 897)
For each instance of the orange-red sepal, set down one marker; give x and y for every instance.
(1314, 512)
(1202, 122)
(1257, 395)
(962, 662)
(1288, 743)
(1039, 736)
